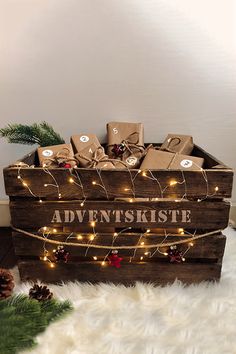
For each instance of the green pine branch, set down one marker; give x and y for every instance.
(22, 319)
(42, 134)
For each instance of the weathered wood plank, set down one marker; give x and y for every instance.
(186, 214)
(211, 248)
(154, 272)
(118, 183)
(122, 183)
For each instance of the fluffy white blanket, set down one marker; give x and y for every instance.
(108, 319)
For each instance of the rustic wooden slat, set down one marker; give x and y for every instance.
(154, 272)
(118, 183)
(186, 214)
(211, 248)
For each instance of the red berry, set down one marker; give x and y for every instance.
(65, 165)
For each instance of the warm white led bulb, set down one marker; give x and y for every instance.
(173, 183)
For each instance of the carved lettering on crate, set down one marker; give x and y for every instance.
(122, 216)
(164, 214)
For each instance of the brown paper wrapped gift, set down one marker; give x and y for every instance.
(82, 141)
(183, 144)
(126, 142)
(156, 159)
(95, 157)
(56, 156)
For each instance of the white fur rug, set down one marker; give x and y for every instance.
(144, 319)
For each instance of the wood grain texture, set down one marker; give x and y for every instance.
(211, 248)
(118, 183)
(165, 214)
(155, 272)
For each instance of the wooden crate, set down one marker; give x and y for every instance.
(163, 201)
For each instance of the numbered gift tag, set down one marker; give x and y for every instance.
(186, 163)
(132, 160)
(47, 153)
(84, 138)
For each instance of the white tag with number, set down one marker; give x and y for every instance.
(47, 153)
(115, 130)
(186, 163)
(84, 138)
(132, 160)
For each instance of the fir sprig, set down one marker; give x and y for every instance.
(22, 319)
(42, 134)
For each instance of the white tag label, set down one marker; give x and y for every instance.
(115, 130)
(186, 163)
(132, 160)
(47, 153)
(91, 151)
(84, 138)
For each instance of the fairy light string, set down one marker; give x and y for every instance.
(55, 184)
(78, 183)
(114, 237)
(74, 178)
(168, 244)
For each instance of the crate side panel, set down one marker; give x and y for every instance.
(118, 183)
(164, 214)
(211, 248)
(129, 273)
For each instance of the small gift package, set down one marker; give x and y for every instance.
(94, 156)
(126, 142)
(57, 156)
(82, 141)
(157, 159)
(183, 144)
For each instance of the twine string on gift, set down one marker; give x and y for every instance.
(131, 144)
(172, 143)
(61, 157)
(99, 156)
(73, 244)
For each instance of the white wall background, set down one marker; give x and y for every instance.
(80, 63)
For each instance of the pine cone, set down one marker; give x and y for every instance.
(6, 283)
(40, 293)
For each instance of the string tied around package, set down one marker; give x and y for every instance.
(99, 156)
(173, 142)
(61, 158)
(131, 143)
